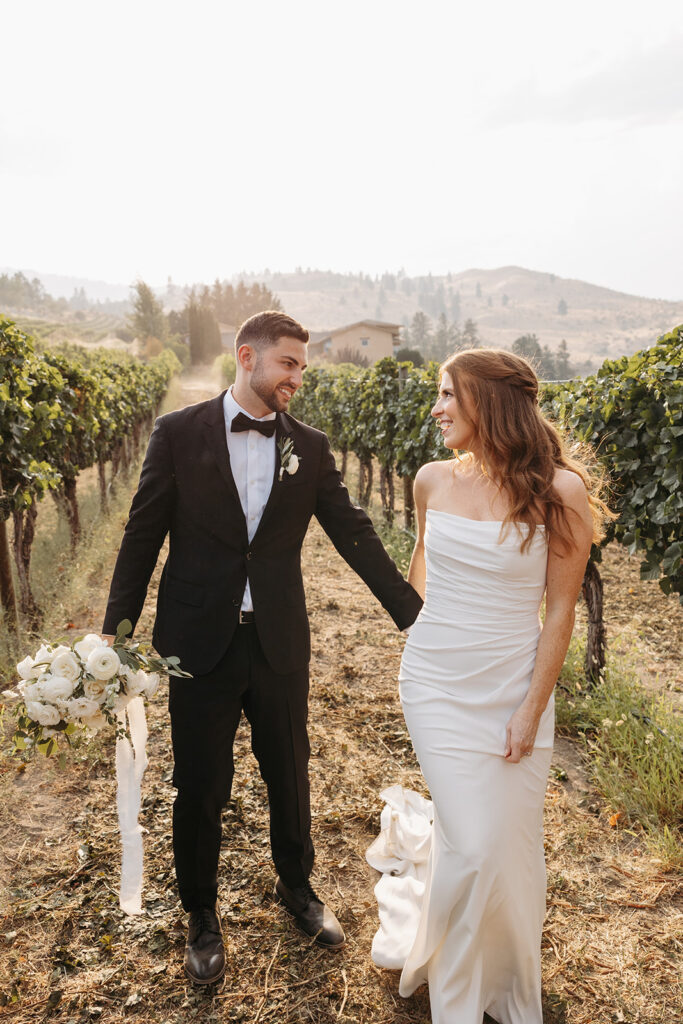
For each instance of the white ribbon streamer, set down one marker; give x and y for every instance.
(131, 762)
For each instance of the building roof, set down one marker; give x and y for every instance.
(382, 325)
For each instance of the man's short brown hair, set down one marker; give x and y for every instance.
(263, 330)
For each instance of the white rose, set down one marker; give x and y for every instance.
(56, 688)
(88, 644)
(26, 670)
(152, 684)
(43, 714)
(80, 707)
(293, 464)
(65, 663)
(103, 663)
(94, 689)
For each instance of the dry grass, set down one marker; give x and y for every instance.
(613, 934)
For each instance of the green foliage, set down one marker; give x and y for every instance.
(382, 411)
(410, 355)
(635, 744)
(631, 411)
(226, 368)
(60, 413)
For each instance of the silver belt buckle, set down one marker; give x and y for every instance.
(245, 617)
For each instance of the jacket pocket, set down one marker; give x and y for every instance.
(184, 592)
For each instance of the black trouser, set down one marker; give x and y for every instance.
(205, 712)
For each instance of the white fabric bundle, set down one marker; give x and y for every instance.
(400, 852)
(131, 761)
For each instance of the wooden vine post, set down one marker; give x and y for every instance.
(596, 639)
(8, 597)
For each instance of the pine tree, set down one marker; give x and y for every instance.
(527, 346)
(147, 319)
(562, 365)
(420, 331)
(470, 335)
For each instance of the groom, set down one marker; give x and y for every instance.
(234, 482)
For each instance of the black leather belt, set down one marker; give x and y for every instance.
(246, 618)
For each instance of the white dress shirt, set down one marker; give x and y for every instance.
(252, 461)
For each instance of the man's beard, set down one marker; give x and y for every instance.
(268, 394)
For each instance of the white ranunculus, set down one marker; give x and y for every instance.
(94, 689)
(43, 658)
(88, 644)
(292, 464)
(65, 663)
(152, 684)
(80, 707)
(26, 670)
(135, 682)
(103, 663)
(56, 688)
(43, 714)
(29, 689)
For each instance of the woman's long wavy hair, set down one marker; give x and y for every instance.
(521, 449)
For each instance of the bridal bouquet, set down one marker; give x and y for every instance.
(87, 686)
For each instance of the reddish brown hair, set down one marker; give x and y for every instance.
(521, 449)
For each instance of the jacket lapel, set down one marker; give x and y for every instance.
(214, 434)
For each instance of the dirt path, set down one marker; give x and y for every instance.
(612, 936)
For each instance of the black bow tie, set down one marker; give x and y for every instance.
(242, 422)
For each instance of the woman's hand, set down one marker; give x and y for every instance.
(520, 734)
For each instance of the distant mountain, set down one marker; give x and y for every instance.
(60, 286)
(505, 303)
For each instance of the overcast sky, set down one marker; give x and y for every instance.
(197, 139)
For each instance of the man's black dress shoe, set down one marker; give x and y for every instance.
(311, 914)
(204, 952)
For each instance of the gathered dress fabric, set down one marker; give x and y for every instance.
(462, 894)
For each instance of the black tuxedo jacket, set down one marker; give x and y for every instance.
(187, 490)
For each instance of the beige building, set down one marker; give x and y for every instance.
(373, 339)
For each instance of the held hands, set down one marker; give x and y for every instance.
(520, 734)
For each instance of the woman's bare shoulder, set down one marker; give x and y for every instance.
(569, 486)
(430, 476)
(572, 492)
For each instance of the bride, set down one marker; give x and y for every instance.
(508, 520)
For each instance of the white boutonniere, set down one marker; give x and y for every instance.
(289, 462)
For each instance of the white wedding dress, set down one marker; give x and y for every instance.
(462, 900)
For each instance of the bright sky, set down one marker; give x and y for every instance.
(198, 139)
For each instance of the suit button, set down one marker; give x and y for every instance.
(236, 602)
(248, 554)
